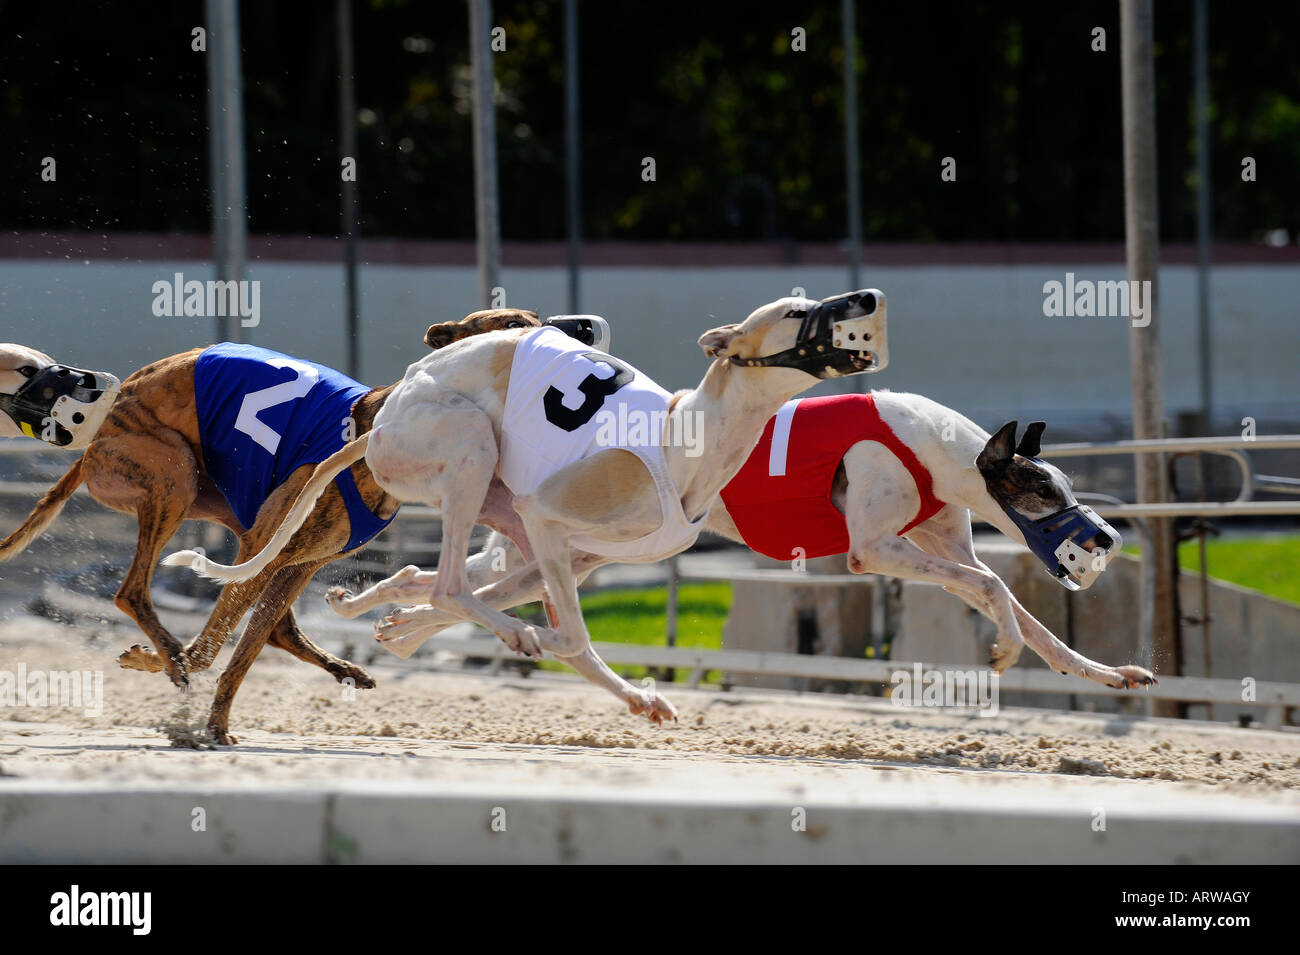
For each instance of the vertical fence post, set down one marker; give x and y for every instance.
(486, 211)
(348, 213)
(226, 125)
(1141, 230)
(572, 156)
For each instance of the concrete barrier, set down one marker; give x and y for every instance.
(683, 812)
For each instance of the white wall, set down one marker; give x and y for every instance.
(974, 337)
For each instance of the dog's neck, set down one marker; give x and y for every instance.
(959, 482)
(731, 407)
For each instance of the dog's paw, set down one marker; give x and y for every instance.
(1132, 677)
(140, 658)
(339, 599)
(525, 639)
(656, 708)
(400, 622)
(1004, 653)
(359, 677)
(220, 736)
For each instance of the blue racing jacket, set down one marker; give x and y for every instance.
(263, 415)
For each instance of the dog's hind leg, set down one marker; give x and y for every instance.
(444, 453)
(289, 637)
(284, 588)
(506, 549)
(404, 630)
(497, 559)
(555, 560)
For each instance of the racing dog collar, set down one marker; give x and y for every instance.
(61, 405)
(1057, 540)
(828, 344)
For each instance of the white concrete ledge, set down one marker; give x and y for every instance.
(927, 819)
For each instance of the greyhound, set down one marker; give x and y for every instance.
(505, 401)
(889, 479)
(146, 454)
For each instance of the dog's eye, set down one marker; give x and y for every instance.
(514, 324)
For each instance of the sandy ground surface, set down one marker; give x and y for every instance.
(297, 725)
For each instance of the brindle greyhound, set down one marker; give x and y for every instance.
(146, 459)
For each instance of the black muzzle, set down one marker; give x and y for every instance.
(829, 343)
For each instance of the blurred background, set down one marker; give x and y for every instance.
(749, 199)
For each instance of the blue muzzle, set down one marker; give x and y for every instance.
(1058, 541)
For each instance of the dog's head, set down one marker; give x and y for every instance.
(1068, 537)
(476, 323)
(837, 336)
(58, 404)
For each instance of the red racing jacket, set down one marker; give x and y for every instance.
(781, 498)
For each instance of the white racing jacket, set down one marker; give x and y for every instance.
(565, 402)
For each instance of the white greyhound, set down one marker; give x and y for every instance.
(891, 479)
(522, 405)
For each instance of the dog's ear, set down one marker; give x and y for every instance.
(441, 334)
(717, 341)
(999, 450)
(1030, 445)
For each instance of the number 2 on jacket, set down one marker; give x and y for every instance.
(256, 402)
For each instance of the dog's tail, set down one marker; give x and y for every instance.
(43, 515)
(320, 479)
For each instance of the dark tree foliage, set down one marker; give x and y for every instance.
(746, 133)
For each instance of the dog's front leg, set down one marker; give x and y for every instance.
(573, 643)
(949, 536)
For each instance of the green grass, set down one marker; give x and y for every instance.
(1270, 565)
(640, 615)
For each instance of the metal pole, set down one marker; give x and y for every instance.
(1203, 212)
(573, 164)
(226, 115)
(851, 159)
(348, 211)
(487, 221)
(215, 153)
(1141, 231)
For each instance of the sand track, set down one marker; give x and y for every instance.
(292, 716)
